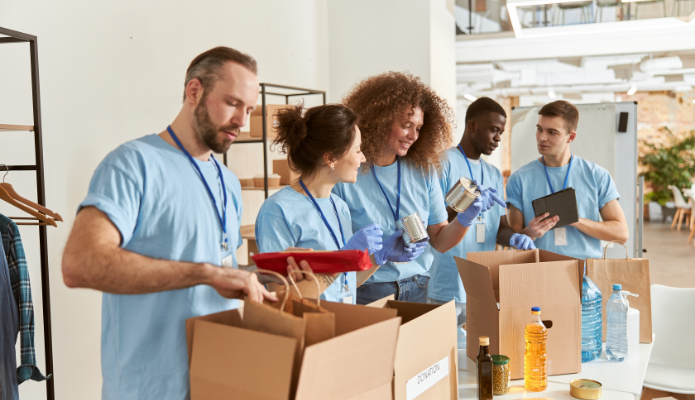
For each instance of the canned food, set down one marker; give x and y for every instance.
(462, 195)
(414, 230)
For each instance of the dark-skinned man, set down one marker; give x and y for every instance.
(485, 120)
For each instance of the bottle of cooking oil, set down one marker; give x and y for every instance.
(536, 356)
(484, 370)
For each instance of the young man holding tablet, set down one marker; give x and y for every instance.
(600, 214)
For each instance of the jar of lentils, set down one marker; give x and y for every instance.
(500, 374)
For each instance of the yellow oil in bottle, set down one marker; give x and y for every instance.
(536, 356)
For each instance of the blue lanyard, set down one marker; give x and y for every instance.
(323, 217)
(482, 169)
(223, 217)
(564, 186)
(396, 213)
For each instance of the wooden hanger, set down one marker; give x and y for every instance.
(8, 199)
(17, 198)
(10, 190)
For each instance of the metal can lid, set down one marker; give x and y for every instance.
(498, 359)
(585, 389)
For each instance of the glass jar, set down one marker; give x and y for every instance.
(500, 374)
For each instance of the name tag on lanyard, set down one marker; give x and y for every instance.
(480, 230)
(227, 261)
(560, 236)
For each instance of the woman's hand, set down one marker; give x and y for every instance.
(367, 238)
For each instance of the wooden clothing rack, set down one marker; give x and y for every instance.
(10, 36)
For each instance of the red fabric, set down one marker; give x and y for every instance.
(321, 262)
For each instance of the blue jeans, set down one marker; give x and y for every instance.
(413, 289)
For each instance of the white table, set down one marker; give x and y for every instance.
(621, 381)
(626, 376)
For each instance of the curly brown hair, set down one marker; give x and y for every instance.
(380, 99)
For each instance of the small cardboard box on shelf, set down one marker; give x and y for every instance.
(426, 363)
(287, 175)
(502, 286)
(228, 361)
(256, 121)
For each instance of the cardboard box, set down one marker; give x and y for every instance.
(519, 280)
(229, 362)
(256, 121)
(426, 365)
(287, 175)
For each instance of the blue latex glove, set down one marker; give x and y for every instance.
(381, 256)
(490, 197)
(406, 253)
(521, 242)
(367, 238)
(467, 217)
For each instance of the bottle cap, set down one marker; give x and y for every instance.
(498, 359)
(535, 309)
(617, 286)
(484, 340)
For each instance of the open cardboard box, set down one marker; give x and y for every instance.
(426, 365)
(519, 280)
(229, 362)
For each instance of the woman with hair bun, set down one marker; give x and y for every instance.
(324, 147)
(406, 128)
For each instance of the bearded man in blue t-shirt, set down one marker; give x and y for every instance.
(159, 229)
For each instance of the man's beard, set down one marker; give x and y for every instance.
(207, 131)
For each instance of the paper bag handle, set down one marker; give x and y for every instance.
(318, 287)
(283, 280)
(618, 242)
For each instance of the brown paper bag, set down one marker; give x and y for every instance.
(320, 323)
(633, 275)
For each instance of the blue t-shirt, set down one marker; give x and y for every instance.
(420, 192)
(445, 282)
(290, 219)
(156, 199)
(594, 188)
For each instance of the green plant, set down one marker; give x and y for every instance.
(671, 164)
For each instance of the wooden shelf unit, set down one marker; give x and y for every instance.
(8, 127)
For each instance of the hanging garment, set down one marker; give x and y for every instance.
(21, 291)
(9, 327)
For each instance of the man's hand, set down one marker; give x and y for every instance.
(538, 226)
(235, 284)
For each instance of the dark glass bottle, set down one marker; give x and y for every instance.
(484, 370)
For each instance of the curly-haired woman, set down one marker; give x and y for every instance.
(405, 130)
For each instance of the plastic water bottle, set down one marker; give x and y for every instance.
(592, 330)
(616, 337)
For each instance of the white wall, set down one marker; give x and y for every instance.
(369, 37)
(113, 71)
(101, 88)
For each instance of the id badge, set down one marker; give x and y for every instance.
(480, 230)
(345, 293)
(227, 261)
(560, 236)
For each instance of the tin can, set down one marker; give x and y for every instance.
(462, 195)
(414, 230)
(585, 389)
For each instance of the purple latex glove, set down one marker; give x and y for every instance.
(490, 197)
(405, 253)
(367, 238)
(467, 217)
(389, 245)
(521, 242)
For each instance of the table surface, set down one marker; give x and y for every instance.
(621, 381)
